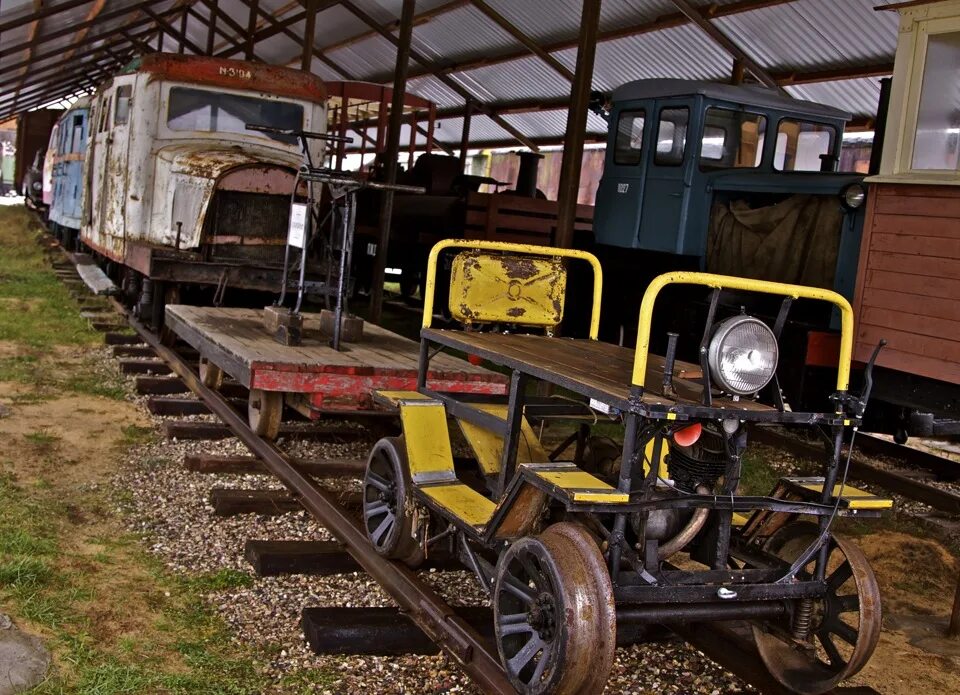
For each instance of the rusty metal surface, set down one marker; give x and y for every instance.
(234, 74)
(493, 288)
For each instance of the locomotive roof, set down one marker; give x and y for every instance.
(231, 74)
(746, 95)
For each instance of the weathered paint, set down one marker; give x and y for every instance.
(140, 181)
(232, 75)
(68, 146)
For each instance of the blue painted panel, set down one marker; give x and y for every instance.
(68, 168)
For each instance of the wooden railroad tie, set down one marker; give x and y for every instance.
(319, 558)
(231, 502)
(122, 339)
(139, 366)
(333, 468)
(188, 429)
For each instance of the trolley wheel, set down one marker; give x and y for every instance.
(264, 409)
(844, 625)
(388, 503)
(210, 374)
(555, 618)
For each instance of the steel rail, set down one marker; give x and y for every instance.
(862, 469)
(421, 603)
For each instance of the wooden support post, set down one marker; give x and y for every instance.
(308, 35)
(569, 188)
(212, 24)
(431, 125)
(465, 135)
(343, 113)
(183, 32)
(736, 75)
(251, 30)
(393, 151)
(412, 149)
(160, 41)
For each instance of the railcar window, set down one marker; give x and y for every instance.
(800, 144)
(936, 143)
(104, 115)
(672, 136)
(121, 114)
(629, 144)
(76, 134)
(732, 139)
(206, 111)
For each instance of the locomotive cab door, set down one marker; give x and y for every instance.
(620, 195)
(666, 193)
(108, 166)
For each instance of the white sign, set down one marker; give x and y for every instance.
(298, 225)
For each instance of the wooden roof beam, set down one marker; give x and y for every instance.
(449, 83)
(81, 34)
(72, 29)
(42, 13)
(726, 43)
(168, 28)
(527, 42)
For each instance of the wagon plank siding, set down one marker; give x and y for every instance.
(908, 284)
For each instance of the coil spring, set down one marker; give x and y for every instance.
(802, 619)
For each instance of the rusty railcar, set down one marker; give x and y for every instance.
(178, 190)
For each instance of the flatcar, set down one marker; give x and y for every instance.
(657, 530)
(178, 191)
(65, 155)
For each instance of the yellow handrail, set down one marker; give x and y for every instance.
(749, 285)
(547, 251)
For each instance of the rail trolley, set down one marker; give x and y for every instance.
(654, 531)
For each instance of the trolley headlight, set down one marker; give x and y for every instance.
(853, 196)
(743, 355)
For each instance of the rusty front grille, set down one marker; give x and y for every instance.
(247, 226)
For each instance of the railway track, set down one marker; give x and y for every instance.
(907, 472)
(727, 644)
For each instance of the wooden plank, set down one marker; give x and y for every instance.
(936, 247)
(934, 307)
(912, 323)
(912, 190)
(914, 264)
(919, 206)
(910, 224)
(902, 341)
(892, 358)
(945, 288)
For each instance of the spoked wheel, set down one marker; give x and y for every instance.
(388, 503)
(844, 625)
(210, 374)
(264, 409)
(556, 623)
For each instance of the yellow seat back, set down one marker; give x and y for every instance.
(507, 288)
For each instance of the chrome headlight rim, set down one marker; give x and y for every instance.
(853, 196)
(720, 334)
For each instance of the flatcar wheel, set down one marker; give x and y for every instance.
(388, 503)
(210, 374)
(264, 409)
(844, 626)
(554, 613)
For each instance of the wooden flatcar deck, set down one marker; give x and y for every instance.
(236, 342)
(595, 369)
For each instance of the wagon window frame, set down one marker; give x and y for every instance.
(123, 98)
(176, 90)
(741, 117)
(820, 125)
(675, 156)
(627, 151)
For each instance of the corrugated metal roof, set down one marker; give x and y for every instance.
(783, 36)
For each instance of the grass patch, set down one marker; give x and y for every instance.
(757, 476)
(42, 439)
(134, 435)
(86, 382)
(35, 308)
(220, 580)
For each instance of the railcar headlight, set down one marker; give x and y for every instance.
(853, 196)
(743, 355)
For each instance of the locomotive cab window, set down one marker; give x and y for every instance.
(672, 136)
(104, 115)
(122, 110)
(629, 137)
(205, 111)
(732, 139)
(802, 144)
(76, 134)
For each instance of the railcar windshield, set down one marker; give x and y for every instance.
(215, 112)
(732, 139)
